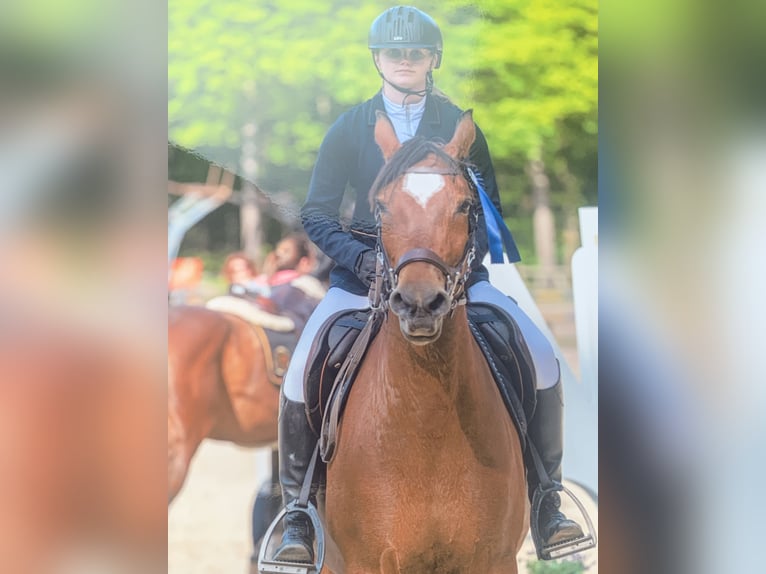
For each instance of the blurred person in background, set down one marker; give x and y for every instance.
(282, 296)
(293, 262)
(242, 275)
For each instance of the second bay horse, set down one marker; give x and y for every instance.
(218, 387)
(428, 474)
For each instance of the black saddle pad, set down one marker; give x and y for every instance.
(509, 359)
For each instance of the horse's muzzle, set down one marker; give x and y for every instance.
(420, 311)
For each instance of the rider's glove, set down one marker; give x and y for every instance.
(365, 266)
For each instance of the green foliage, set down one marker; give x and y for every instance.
(556, 567)
(528, 68)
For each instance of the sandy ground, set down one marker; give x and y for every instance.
(209, 522)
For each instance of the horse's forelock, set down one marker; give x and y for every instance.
(412, 151)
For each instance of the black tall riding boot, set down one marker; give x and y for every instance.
(296, 445)
(546, 431)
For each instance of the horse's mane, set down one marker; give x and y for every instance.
(412, 151)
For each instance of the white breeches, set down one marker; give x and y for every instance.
(337, 299)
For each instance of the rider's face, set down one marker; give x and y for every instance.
(406, 67)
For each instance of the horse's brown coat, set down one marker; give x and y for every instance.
(218, 387)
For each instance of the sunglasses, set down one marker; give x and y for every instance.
(399, 54)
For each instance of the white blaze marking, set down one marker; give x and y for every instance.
(423, 186)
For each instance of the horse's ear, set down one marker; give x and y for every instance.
(385, 136)
(465, 132)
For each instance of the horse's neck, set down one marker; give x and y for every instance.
(435, 369)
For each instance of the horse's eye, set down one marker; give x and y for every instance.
(465, 207)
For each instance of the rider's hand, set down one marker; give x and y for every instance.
(365, 267)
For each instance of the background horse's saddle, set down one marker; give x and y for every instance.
(278, 349)
(496, 333)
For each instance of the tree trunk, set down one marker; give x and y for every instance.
(251, 228)
(544, 224)
(251, 236)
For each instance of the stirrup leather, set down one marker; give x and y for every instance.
(273, 566)
(560, 549)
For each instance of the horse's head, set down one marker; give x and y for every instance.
(426, 214)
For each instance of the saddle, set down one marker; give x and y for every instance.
(496, 333)
(277, 322)
(254, 311)
(508, 356)
(328, 353)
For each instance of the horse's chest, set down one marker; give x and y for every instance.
(431, 473)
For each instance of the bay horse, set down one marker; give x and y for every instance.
(428, 474)
(218, 387)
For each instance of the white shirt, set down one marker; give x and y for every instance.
(406, 118)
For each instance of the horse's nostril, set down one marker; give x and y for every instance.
(396, 300)
(437, 303)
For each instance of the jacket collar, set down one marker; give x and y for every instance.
(430, 114)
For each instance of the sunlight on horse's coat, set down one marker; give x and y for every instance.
(423, 186)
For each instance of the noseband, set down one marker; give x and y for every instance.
(387, 276)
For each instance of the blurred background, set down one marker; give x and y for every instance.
(682, 192)
(83, 282)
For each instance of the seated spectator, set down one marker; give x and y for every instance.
(285, 290)
(295, 292)
(242, 276)
(249, 296)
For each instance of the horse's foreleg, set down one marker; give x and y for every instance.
(178, 465)
(181, 449)
(388, 564)
(178, 461)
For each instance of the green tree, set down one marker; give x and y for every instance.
(529, 69)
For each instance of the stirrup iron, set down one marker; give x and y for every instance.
(552, 551)
(272, 566)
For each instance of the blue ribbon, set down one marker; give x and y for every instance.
(498, 234)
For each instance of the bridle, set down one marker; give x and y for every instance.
(387, 276)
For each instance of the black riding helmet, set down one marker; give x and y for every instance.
(406, 27)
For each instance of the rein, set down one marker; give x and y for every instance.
(387, 276)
